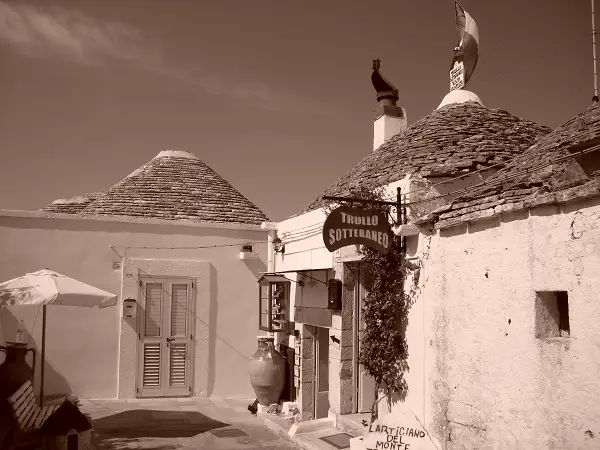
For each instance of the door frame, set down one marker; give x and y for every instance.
(355, 331)
(321, 332)
(358, 292)
(166, 318)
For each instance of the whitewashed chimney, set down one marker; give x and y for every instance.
(390, 119)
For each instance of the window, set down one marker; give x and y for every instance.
(552, 314)
(274, 302)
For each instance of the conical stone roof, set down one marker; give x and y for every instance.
(544, 174)
(175, 185)
(453, 140)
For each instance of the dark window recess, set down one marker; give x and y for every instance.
(562, 300)
(552, 314)
(247, 248)
(589, 162)
(289, 391)
(72, 442)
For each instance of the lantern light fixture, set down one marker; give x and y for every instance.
(278, 245)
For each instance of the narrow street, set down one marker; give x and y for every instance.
(198, 423)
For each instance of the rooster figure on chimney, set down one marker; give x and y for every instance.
(383, 87)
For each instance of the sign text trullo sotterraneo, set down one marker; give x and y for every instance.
(352, 226)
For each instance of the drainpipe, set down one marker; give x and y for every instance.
(271, 259)
(271, 227)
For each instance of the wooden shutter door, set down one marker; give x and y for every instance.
(151, 355)
(179, 339)
(165, 356)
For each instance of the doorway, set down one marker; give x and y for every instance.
(365, 384)
(165, 354)
(322, 373)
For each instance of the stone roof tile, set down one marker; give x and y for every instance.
(73, 205)
(524, 183)
(453, 140)
(176, 186)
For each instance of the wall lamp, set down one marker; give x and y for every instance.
(278, 245)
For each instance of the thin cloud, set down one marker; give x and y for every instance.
(71, 35)
(75, 37)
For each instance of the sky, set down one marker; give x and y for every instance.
(274, 95)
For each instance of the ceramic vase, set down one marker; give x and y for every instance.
(15, 371)
(267, 372)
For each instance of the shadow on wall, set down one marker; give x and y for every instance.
(54, 382)
(256, 266)
(212, 329)
(213, 336)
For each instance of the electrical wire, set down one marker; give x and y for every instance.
(200, 247)
(307, 230)
(305, 227)
(315, 279)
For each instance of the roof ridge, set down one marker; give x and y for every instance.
(453, 140)
(176, 154)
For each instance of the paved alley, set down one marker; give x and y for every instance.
(190, 423)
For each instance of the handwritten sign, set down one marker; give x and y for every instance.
(350, 226)
(399, 430)
(457, 76)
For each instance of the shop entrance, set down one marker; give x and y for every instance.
(364, 383)
(322, 372)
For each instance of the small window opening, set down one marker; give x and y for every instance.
(72, 442)
(590, 163)
(552, 314)
(247, 248)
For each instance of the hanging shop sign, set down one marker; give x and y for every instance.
(352, 226)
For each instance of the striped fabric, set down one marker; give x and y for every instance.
(467, 51)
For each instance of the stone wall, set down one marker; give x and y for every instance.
(307, 375)
(491, 379)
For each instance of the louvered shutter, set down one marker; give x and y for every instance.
(152, 329)
(178, 350)
(179, 309)
(178, 364)
(153, 309)
(151, 375)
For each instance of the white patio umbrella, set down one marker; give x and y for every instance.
(46, 287)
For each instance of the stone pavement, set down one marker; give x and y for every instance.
(321, 434)
(170, 424)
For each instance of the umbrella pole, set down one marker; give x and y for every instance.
(43, 357)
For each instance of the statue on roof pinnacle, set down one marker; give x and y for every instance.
(385, 89)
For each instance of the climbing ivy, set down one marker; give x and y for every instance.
(383, 349)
